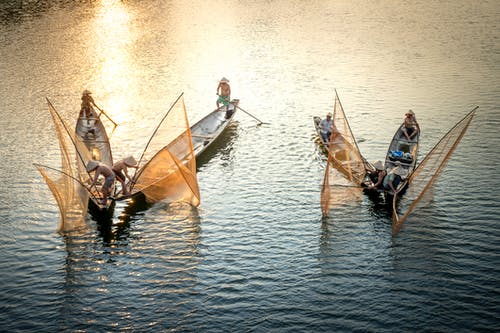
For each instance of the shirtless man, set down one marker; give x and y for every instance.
(120, 169)
(109, 178)
(224, 92)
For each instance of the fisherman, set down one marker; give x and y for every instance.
(394, 177)
(411, 127)
(325, 128)
(109, 178)
(224, 92)
(377, 176)
(120, 169)
(88, 104)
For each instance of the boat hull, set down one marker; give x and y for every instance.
(93, 134)
(210, 127)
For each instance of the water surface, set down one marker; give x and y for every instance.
(256, 255)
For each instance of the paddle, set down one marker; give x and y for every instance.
(104, 113)
(251, 115)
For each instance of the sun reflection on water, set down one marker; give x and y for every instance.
(114, 37)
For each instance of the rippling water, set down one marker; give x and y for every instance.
(256, 255)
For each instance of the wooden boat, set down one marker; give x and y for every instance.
(92, 132)
(167, 167)
(403, 151)
(210, 127)
(319, 140)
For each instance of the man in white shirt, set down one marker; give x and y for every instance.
(325, 127)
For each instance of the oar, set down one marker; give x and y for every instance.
(104, 113)
(251, 115)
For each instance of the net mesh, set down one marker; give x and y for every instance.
(337, 190)
(71, 197)
(343, 148)
(344, 162)
(66, 184)
(167, 168)
(427, 172)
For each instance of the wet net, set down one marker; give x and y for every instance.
(336, 190)
(425, 175)
(71, 197)
(167, 168)
(67, 184)
(345, 158)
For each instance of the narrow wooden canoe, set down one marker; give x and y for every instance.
(402, 152)
(93, 134)
(210, 127)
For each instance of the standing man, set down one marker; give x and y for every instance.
(224, 92)
(87, 105)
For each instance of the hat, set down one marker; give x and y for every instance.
(400, 171)
(378, 165)
(224, 80)
(130, 160)
(410, 112)
(86, 92)
(329, 114)
(92, 165)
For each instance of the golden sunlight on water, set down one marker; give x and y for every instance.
(114, 37)
(256, 255)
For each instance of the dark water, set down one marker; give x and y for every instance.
(256, 255)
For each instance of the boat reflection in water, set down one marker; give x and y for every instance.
(222, 146)
(93, 282)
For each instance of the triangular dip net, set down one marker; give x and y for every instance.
(343, 155)
(425, 175)
(167, 168)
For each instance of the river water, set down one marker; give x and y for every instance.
(256, 256)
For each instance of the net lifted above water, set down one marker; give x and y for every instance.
(67, 183)
(427, 172)
(344, 159)
(167, 167)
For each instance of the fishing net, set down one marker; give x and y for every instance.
(346, 157)
(71, 197)
(425, 175)
(337, 190)
(67, 184)
(167, 168)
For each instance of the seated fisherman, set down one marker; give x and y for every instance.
(109, 178)
(411, 127)
(325, 128)
(394, 177)
(377, 176)
(120, 169)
